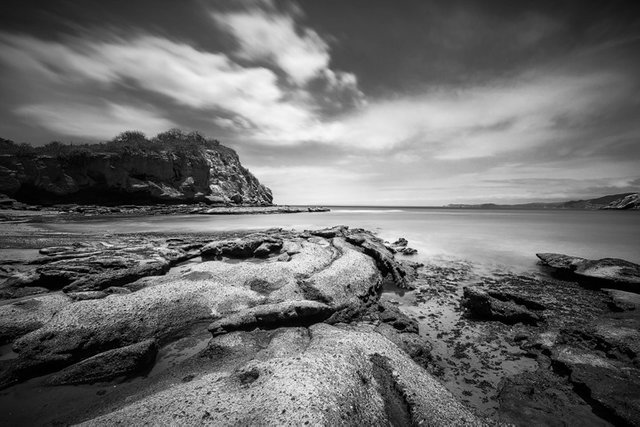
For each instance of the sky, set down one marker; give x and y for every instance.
(346, 102)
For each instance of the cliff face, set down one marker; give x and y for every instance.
(208, 172)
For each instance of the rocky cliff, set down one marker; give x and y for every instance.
(630, 201)
(171, 168)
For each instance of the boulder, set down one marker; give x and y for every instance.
(401, 242)
(407, 251)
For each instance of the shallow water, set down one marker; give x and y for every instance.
(487, 237)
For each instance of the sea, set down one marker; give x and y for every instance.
(493, 238)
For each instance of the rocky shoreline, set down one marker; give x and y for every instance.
(17, 210)
(330, 326)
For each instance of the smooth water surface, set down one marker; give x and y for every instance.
(488, 237)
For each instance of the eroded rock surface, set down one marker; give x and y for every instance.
(120, 294)
(95, 265)
(323, 375)
(298, 332)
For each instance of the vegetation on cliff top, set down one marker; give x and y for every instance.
(129, 141)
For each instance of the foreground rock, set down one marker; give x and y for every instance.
(607, 271)
(298, 332)
(323, 375)
(304, 279)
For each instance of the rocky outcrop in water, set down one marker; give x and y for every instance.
(171, 168)
(606, 272)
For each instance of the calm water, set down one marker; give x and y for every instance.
(487, 237)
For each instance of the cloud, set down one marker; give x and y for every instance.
(482, 121)
(189, 77)
(273, 37)
(264, 34)
(246, 98)
(99, 122)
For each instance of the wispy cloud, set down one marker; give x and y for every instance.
(273, 37)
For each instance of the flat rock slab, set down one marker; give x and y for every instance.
(613, 271)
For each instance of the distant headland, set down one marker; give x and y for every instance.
(624, 201)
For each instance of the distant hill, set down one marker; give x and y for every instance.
(612, 202)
